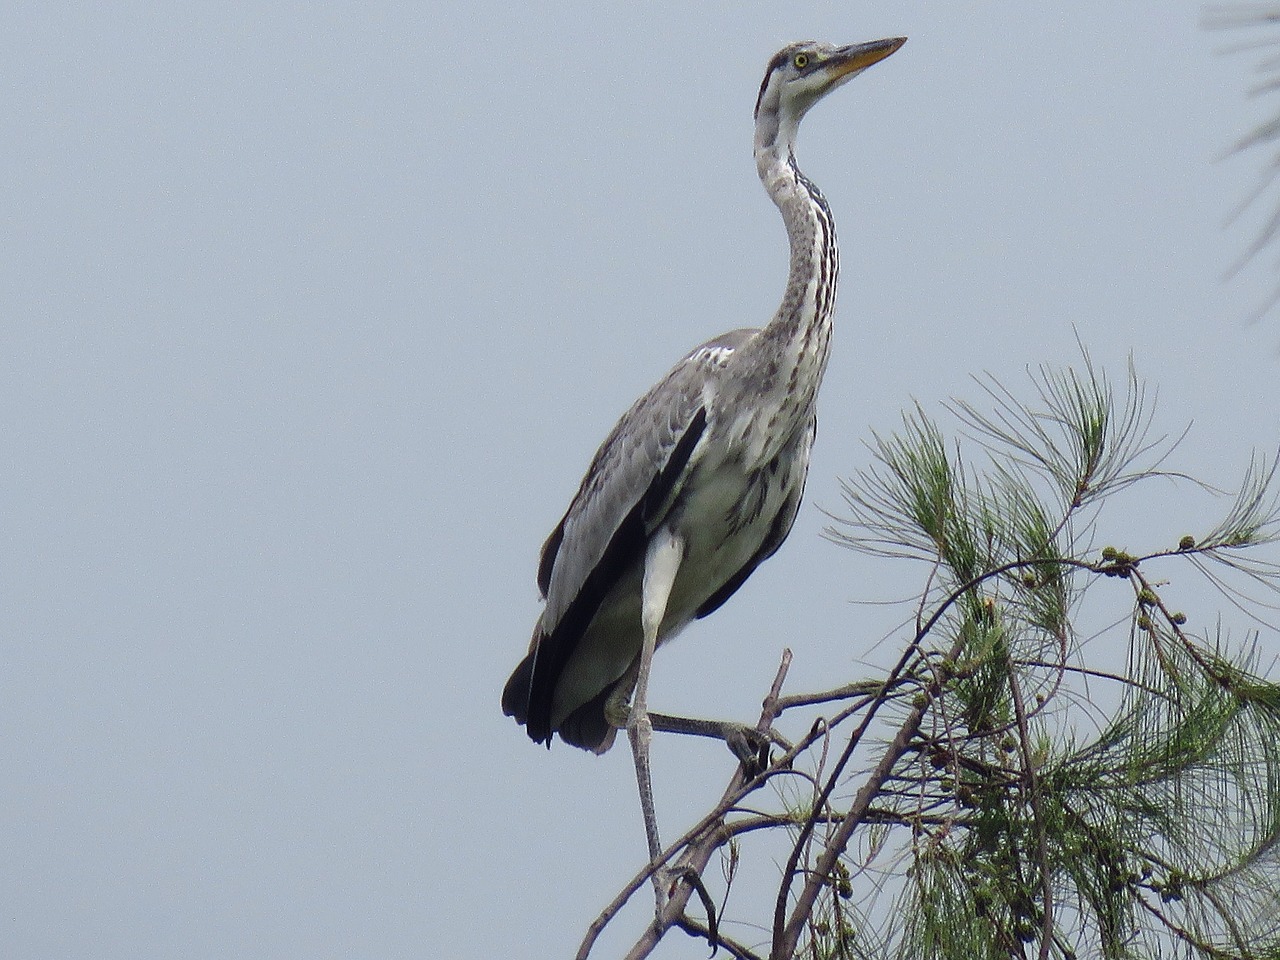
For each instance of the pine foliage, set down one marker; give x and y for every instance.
(1059, 764)
(1158, 833)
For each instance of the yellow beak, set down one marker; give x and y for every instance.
(859, 56)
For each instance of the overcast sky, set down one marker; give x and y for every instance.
(311, 317)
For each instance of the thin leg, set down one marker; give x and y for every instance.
(661, 563)
(748, 744)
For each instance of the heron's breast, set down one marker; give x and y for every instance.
(761, 418)
(724, 517)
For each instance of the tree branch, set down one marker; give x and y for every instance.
(707, 836)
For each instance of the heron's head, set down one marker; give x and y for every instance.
(801, 74)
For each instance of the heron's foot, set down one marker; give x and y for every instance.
(664, 885)
(749, 745)
(667, 880)
(617, 710)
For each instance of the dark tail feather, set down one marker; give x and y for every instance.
(587, 727)
(515, 702)
(515, 695)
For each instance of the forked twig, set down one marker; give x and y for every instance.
(698, 844)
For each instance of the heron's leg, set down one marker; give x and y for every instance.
(661, 562)
(749, 745)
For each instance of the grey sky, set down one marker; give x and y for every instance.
(313, 316)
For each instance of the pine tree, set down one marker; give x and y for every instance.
(1026, 780)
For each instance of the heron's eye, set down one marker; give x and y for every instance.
(801, 60)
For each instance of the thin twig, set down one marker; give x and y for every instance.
(865, 689)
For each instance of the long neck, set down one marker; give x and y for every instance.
(798, 338)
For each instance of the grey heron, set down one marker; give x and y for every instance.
(701, 479)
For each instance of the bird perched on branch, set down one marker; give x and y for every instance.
(700, 480)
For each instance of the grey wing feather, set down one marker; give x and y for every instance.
(623, 471)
